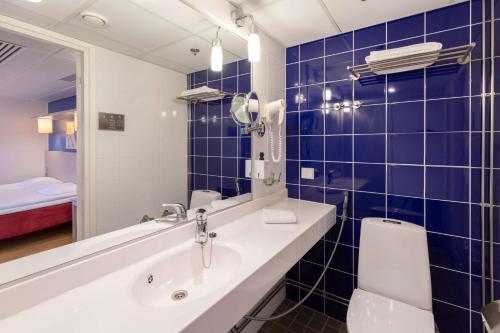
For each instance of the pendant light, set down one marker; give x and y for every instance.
(216, 56)
(253, 43)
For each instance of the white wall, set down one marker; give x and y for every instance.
(22, 148)
(268, 80)
(146, 165)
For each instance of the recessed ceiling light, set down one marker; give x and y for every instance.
(94, 20)
(36, 1)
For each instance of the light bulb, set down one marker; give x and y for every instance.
(216, 58)
(254, 47)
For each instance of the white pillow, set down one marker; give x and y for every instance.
(58, 189)
(39, 181)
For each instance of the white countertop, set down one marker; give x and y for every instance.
(108, 304)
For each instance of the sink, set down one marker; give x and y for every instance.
(180, 277)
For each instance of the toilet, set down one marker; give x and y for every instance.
(201, 198)
(394, 283)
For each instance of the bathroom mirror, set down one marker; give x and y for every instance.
(245, 108)
(239, 110)
(149, 142)
(245, 113)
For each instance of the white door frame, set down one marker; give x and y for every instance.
(87, 120)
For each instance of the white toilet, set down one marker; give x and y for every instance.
(201, 198)
(394, 283)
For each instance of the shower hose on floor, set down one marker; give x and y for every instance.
(344, 218)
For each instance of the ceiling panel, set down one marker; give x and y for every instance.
(133, 25)
(356, 14)
(54, 9)
(35, 72)
(177, 13)
(180, 53)
(290, 21)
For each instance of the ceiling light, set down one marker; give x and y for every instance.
(216, 56)
(35, 1)
(94, 20)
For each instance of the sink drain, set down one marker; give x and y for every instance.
(179, 295)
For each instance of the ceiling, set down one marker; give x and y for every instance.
(35, 72)
(294, 22)
(164, 31)
(158, 31)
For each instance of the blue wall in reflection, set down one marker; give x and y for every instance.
(217, 148)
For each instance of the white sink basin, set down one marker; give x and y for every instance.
(182, 273)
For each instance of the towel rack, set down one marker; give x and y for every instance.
(461, 54)
(205, 96)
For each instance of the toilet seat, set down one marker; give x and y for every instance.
(372, 313)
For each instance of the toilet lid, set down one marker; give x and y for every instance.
(372, 313)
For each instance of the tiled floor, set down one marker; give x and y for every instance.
(302, 320)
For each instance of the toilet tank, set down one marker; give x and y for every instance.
(394, 261)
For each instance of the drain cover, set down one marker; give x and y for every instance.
(179, 295)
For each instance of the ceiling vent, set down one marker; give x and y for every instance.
(8, 50)
(69, 78)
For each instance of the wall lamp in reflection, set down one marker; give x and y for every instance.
(347, 106)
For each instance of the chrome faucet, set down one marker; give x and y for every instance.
(201, 235)
(180, 214)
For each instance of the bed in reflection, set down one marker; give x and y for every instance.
(41, 202)
(34, 204)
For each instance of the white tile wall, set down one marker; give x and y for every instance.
(146, 165)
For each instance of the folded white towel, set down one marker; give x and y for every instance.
(377, 59)
(278, 216)
(411, 50)
(197, 91)
(223, 204)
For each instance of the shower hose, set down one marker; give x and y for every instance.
(343, 218)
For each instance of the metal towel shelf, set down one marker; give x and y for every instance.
(205, 97)
(461, 54)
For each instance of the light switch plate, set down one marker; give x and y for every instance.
(307, 173)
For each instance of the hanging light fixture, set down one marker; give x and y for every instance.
(253, 43)
(239, 19)
(44, 125)
(216, 56)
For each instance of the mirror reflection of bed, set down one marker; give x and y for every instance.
(36, 214)
(38, 135)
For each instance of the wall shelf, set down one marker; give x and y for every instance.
(459, 54)
(205, 96)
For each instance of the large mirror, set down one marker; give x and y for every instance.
(158, 132)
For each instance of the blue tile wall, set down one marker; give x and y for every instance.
(412, 152)
(217, 148)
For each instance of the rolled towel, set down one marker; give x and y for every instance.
(278, 216)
